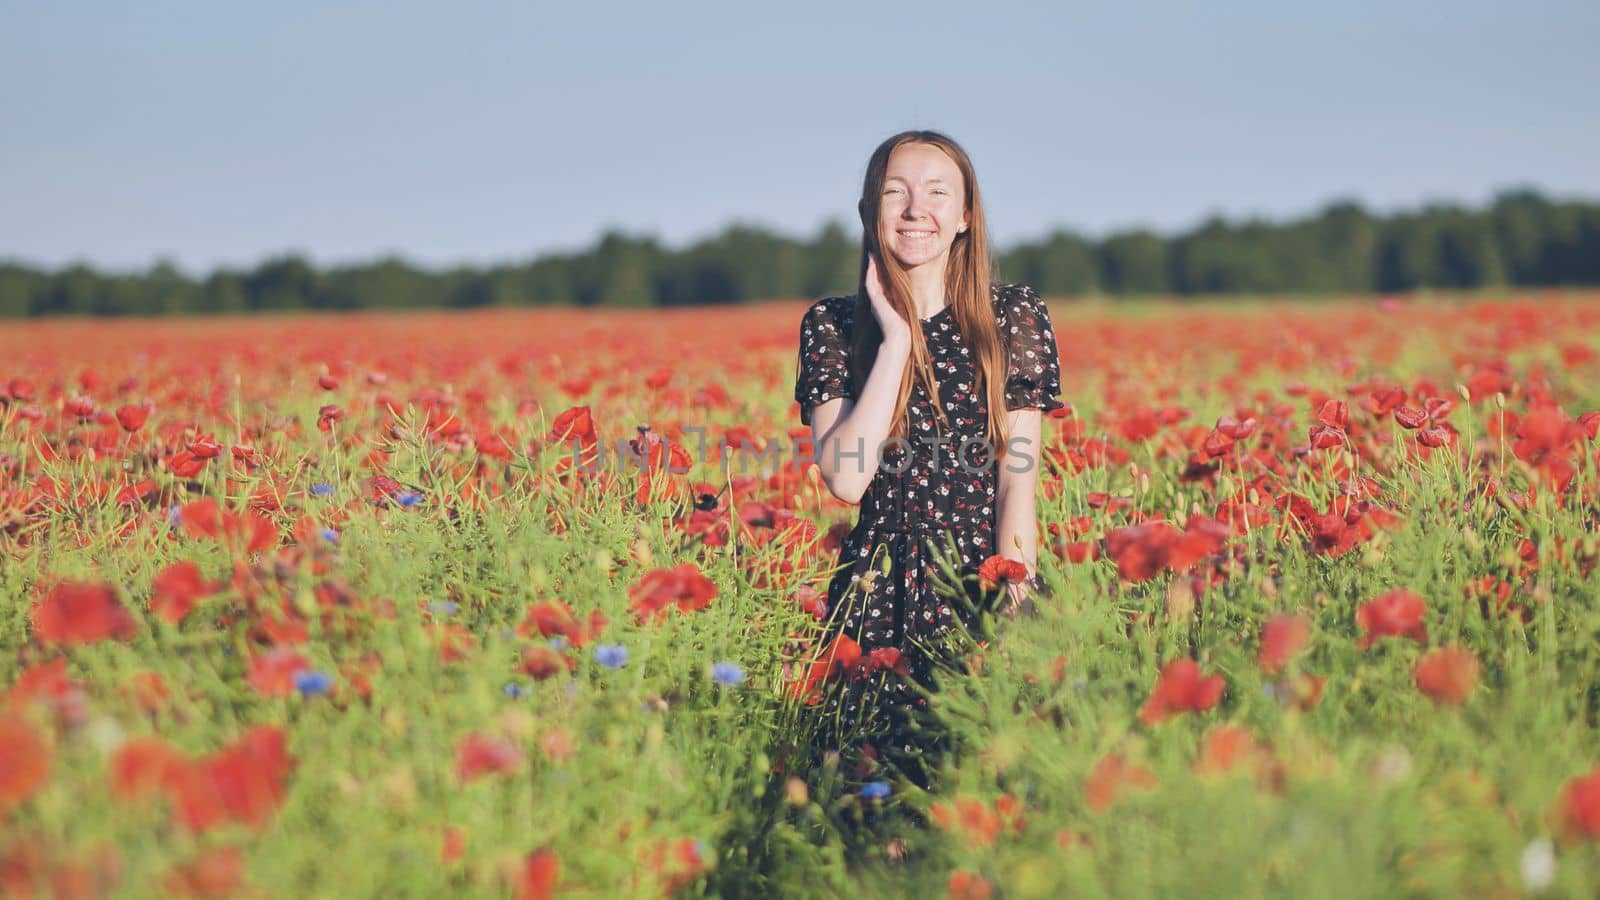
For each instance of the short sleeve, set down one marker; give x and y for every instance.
(1033, 370)
(823, 371)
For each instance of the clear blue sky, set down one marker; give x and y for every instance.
(219, 133)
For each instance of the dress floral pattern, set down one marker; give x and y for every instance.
(930, 508)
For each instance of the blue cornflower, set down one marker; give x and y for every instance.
(875, 790)
(514, 690)
(408, 499)
(727, 674)
(321, 489)
(331, 535)
(175, 515)
(559, 642)
(444, 608)
(612, 656)
(311, 682)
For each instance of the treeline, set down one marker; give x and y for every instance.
(1521, 239)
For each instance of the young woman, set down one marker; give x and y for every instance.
(950, 376)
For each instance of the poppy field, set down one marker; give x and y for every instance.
(527, 604)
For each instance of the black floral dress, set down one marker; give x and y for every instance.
(929, 509)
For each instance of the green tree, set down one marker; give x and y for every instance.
(1407, 254)
(282, 283)
(20, 289)
(1134, 262)
(1468, 254)
(224, 292)
(832, 263)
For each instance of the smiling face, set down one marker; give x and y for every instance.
(923, 206)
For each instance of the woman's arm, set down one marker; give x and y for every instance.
(847, 434)
(1016, 512)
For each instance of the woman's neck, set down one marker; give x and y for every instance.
(928, 288)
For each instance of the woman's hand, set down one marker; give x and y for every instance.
(894, 326)
(1017, 594)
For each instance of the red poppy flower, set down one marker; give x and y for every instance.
(654, 453)
(272, 673)
(1325, 437)
(185, 464)
(888, 659)
(998, 570)
(1079, 551)
(477, 756)
(328, 416)
(453, 641)
(541, 869)
(682, 586)
(1447, 674)
(541, 662)
(27, 761)
(1383, 401)
(1223, 748)
(205, 518)
(45, 682)
(214, 872)
(840, 655)
(1282, 638)
(1143, 551)
(176, 590)
(1181, 688)
(1334, 414)
(577, 425)
(1140, 551)
(1410, 417)
(554, 618)
(964, 885)
(979, 823)
(244, 782)
(1544, 432)
(812, 601)
(676, 862)
(147, 690)
(137, 492)
(454, 844)
(205, 447)
(143, 766)
(1433, 438)
(77, 612)
(1111, 777)
(250, 775)
(80, 406)
(1579, 807)
(132, 418)
(494, 446)
(18, 389)
(1394, 613)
